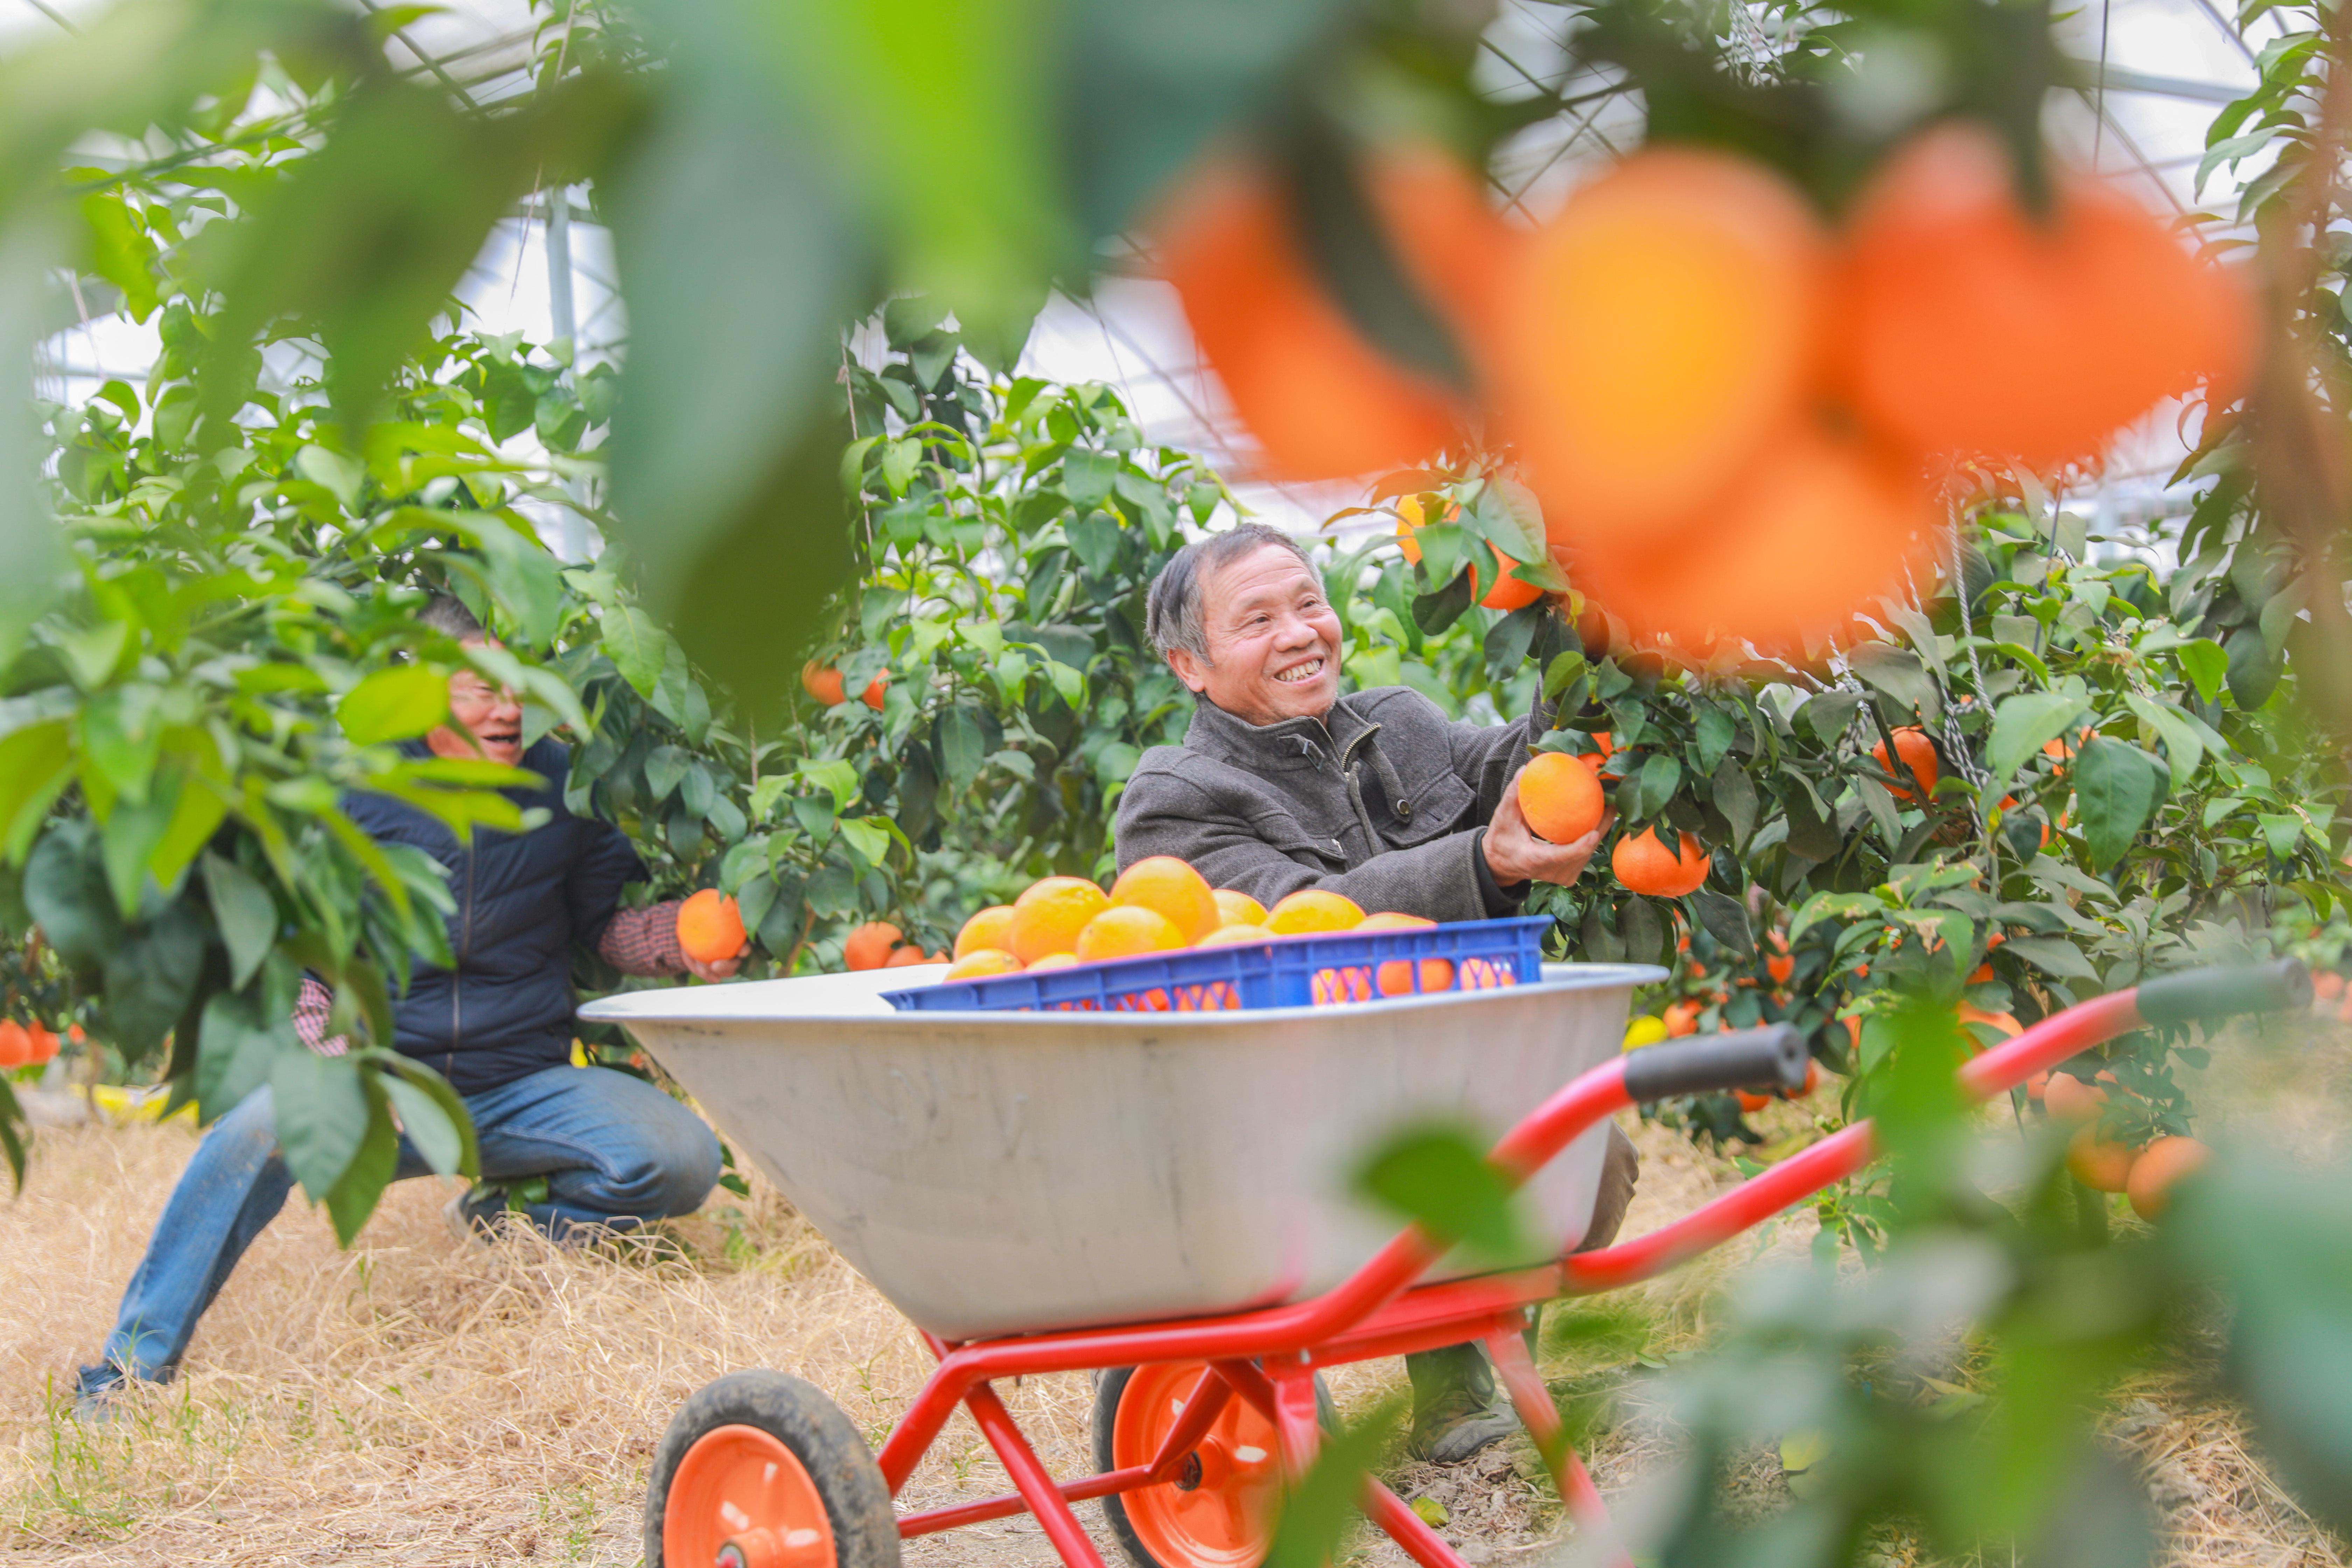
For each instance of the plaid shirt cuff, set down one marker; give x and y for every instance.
(645, 942)
(312, 1006)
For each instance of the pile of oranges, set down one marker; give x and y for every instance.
(879, 944)
(2145, 1175)
(23, 1046)
(1731, 413)
(1161, 905)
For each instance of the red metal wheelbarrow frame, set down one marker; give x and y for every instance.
(1268, 1357)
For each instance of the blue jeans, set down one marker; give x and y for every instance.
(614, 1150)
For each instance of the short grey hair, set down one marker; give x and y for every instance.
(446, 614)
(1173, 618)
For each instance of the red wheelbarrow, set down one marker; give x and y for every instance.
(1202, 1420)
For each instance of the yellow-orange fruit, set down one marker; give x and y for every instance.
(1682, 1018)
(1969, 327)
(45, 1043)
(2161, 1163)
(1660, 333)
(873, 695)
(1562, 802)
(2069, 1099)
(1323, 402)
(982, 961)
(1312, 910)
(900, 958)
(821, 682)
(991, 927)
(1646, 866)
(1395, 977)
(709, 926)
(1454, 245)
(1235, 934)
(15, 1044)
(1127, 930)
(1055, 961)
(1780, 967)
(1238, 908)
(1168, 887)
(2096, 1163)
(1048, 916)
(869, 946)
(1919, 755)
(1814, 529)
(1508, 593)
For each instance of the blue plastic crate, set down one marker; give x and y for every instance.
(1290, 971)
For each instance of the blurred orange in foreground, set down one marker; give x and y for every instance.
(1973, 328)
(1659, 333)
(1323, 402)
(1821, 526)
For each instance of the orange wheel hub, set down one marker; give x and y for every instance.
(741, 1499)
(1218, 1511)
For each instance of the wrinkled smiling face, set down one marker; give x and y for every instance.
(1274, 640)
(489, 722)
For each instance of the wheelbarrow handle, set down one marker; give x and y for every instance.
(2224, 991)
(1771, 1056)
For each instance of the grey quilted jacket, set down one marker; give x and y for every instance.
(1384, 799)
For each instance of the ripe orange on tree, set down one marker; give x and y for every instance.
(1644, 865)
(2096, 1162)
(1050, 913)
(982, 961)
(1816, 526)
(2160, 1165)
(824, 683)
(44, 1042)
(1508, 593)
(1661, 334)
(1682, 1018)
(2069, 1099)
(1127, 931)
(1969, 327)
(869, 946)
(709, 926)
(1323, 402)
(1919, 755)
(1312, 910)
(1238, 908)
(1168, 885)
(1561, 800)
(991, 927)
(911, 953)
(15, 1044)
(1780, 966)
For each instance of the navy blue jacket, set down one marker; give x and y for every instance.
(505, 1010)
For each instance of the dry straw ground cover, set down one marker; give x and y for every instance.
(415, 1401)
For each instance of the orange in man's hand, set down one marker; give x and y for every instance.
(709, 926)
(1561, 799)
(1313, 910)
(1323, 402)
(868, 947)
(1048, 917)
(1662, 331)
(991, 927)
(1646, 866)
(1127, 930)
(1168, 885)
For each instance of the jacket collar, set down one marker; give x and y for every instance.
(1292, 742)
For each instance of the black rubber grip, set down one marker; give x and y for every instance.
(2224, 992)
(1770, 1058)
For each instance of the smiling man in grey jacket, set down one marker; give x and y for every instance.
(1283, 784)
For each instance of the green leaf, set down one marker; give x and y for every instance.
(151, 976)
(963, 743)
(2205, 664)
(1726, 919)
(2255, 667)
(2280, 832)
(868, 837)
(2053, 956)
(1563, 673)
(334, 472)
(394, 704)
(356, 1191)
(36, 764)
(2116, 784)
(665, 768)
(1735, 796)
(427, 1122)
(1438, 1177)
(1661, 776)
(2184, 748)
(638, 647)
(323, 1115)
(118, 252)
(835, 778)
(1322, 1507)
(65, 889)
(1896, 671)
(1714, 733)
(244, 913)
(2023, 724)
(238, 1044)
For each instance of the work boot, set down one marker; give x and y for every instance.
(1455, 1408)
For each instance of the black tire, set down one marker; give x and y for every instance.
(1109, 1386)
(797, 1415)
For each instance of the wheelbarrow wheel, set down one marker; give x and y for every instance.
(761, 1471)
(1219, 1510)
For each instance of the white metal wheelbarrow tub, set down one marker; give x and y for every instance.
(1008, 1173)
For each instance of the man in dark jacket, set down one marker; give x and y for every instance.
(613, 1150)
(1283, 784)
